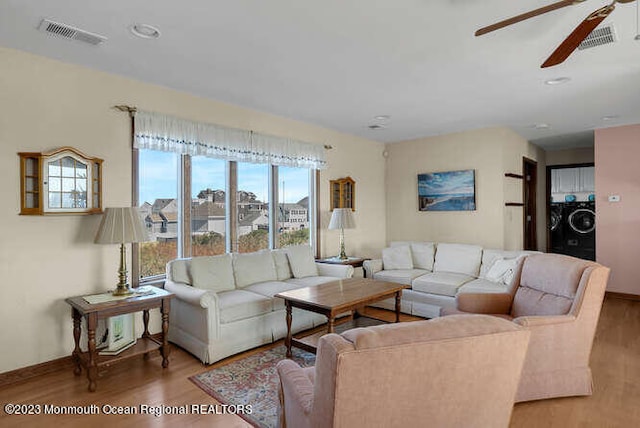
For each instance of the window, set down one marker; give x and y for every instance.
(208, 206)
(252, 207)
(161, 186)
(195, 203)
(158, 195)
(293, 206)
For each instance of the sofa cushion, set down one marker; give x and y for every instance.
(250, 268)
(310, 281)
(270, 289)
(401, 276)
(236, 305)
(181, 271)
(397, 258)
(529, 301)
(302, 261)
(422, 253)
(481, 285)
(443, 283)
(213, 272)
(458, 258)
(283, 270)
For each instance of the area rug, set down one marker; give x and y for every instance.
(252, 380)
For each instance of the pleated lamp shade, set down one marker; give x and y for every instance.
(342, 218)
(120, 226)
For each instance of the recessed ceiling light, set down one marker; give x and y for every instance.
(610, 117)
(541, 126)
(557, 81)
(382, 117)
(145, 31)
(376, 127)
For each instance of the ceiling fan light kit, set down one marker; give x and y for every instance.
(574, 39)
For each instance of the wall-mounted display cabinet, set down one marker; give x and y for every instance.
(61, 181)
(343, 193)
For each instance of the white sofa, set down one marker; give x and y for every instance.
(225, 305)
(438, 272)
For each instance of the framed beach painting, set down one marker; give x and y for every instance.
(447, 191)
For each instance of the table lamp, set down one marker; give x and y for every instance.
(121, 226)
(342, 219)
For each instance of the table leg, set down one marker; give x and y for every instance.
(398, 297)
(164, 350)
(145, 320)
(92, 369)
(287, 340)
(331, 324)
(75, 355)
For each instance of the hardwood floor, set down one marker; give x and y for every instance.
(615, 362)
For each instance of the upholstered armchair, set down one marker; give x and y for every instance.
(558, 299)
(458, 371)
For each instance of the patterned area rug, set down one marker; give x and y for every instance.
(252, 380)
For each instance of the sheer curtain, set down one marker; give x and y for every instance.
(170, 134)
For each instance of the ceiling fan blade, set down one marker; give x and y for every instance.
(574, 39)
(527, 15)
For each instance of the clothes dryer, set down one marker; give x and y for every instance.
(579, 230)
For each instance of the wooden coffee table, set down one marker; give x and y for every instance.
(334, 298)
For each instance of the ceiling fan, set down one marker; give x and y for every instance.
(574, 39)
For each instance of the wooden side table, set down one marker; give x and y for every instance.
(90, 359)
(353, 261)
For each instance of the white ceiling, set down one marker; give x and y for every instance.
(339, 63)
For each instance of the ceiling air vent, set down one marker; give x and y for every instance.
(599, 36)
(69, 32)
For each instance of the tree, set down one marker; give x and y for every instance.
(208, 244)
(253, 241)
(295, 237)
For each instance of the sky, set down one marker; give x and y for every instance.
(159, 177)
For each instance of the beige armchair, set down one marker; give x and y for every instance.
(458, 371)
(558, 298)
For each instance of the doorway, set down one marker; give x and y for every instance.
(530, 181)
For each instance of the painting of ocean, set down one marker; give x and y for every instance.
(447, 191)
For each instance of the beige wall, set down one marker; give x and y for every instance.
(617, 151)
(48, 104)
(570, 156)
(491, 153)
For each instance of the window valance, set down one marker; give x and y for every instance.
(170, 134)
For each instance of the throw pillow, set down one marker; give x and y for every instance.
(213, 273)
(180, 271)
(422, 254)
(283, 270)
(502, 270)
(251, 268)
(397, 258)
(302, 262)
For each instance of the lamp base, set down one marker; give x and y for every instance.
(122, 290)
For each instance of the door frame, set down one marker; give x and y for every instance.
(548, 194)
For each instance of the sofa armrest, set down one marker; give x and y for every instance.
(542, 320)
(296, 394)
(192, 295)
(372, 266)
(484, 303)
(340, 271)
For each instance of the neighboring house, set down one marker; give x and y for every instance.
(252, 220)
(162, 221)
(207, 217)
(292, 217)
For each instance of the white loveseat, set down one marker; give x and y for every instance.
(438, 272)
(224, 304)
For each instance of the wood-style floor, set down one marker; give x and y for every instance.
(615, 362)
